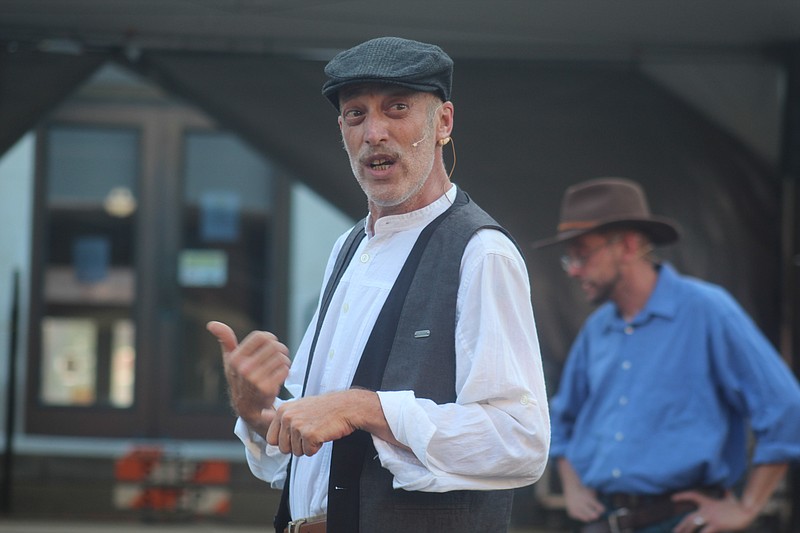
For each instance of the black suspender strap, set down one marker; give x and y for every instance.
(349, 452)
(283, 515)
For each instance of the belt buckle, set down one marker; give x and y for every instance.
(294, 525)
(613, 520)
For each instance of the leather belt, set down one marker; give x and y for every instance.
(625, 520)
(633, 511)
(316, 524)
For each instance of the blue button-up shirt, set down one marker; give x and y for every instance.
(664, 402)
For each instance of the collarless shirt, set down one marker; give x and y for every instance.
(663, 403)
(500, 384)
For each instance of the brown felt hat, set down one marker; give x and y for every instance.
(607, 203)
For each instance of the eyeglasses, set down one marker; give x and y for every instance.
(577, 262)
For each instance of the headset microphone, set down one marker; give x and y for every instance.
(419, 141)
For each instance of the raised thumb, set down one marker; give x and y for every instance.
(224, 334)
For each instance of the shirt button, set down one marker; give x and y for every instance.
(346, 307)
(524, 400)
(623, 400)
(626, 365)
(629, 330)
(616, 472)
(364, 258)
(619, 436)
(330, 354)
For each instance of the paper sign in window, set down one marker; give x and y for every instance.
(91, 256)
(203, 268)
(220, 212)
(69, 360)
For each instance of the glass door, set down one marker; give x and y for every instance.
(224, 263)
(149, 223)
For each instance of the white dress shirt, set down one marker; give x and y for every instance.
(497, 433)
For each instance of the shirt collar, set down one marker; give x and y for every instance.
(419, 218)
(662, 301)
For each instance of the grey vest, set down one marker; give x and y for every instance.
(422, 359)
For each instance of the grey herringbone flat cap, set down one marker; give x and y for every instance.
(393, 60)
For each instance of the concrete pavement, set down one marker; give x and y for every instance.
(29, 526)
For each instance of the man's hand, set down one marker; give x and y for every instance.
(712, 514)
(582, 503)
(255, 371)
(730, 513)
(302, 426)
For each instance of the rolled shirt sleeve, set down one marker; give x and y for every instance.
(266, 462)
(497, 433)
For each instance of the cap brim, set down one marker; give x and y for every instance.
(332, 88)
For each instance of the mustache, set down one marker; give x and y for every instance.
(367, 155)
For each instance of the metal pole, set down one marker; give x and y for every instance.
(790, 306)
(8, 457)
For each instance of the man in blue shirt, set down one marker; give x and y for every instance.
(664, 383)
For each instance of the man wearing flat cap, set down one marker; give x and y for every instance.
(416, 399)
(662, 384)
